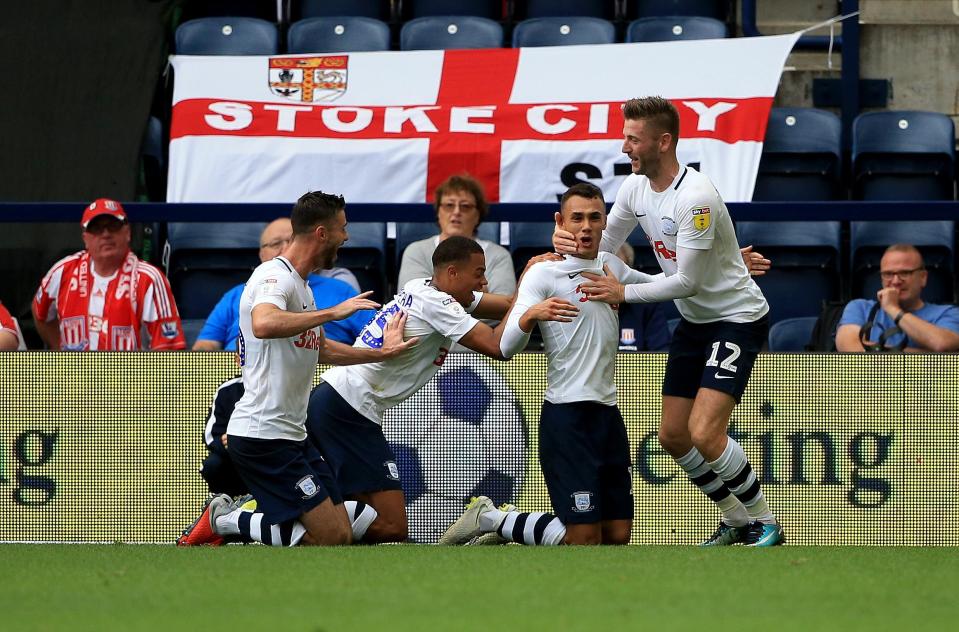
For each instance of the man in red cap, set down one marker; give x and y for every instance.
(103, 298)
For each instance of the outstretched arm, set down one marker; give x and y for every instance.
(269, 321)
(339, 354)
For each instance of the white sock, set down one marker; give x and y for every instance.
(491, 520)
(361, 517)
(733, 467)
(701, 475)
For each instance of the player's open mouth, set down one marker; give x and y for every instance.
(586, 240)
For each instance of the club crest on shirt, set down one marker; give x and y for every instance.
(582, 501)
(307, 486)
(669, 226)
(701, 217)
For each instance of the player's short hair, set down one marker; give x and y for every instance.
(455, 250)
(468, 184)
(315, 208)
(581, 189)
(659, 111)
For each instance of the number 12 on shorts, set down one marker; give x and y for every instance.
(727, 364)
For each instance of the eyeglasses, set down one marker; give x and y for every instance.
(276, 243)
(104, 227)
(902, 274)
(464, 206)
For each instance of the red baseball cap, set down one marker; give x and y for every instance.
(103, 206)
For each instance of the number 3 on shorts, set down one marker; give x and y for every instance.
(727, 364)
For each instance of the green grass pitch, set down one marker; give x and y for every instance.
(389, 588)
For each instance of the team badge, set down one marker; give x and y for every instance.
(309, 79)
(392, 471)
(582, 502)
(169, 330)
(669, 226)
(701, 217)
(307, 486)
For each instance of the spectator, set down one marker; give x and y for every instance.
(223, 324)
(899, 319)
(279, 233)
(10, 337)
(642, 326)
(460, 208)
(99, 299)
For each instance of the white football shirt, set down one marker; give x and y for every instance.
(432, 315)
(277, 372)
(581, 354)
(689, 213)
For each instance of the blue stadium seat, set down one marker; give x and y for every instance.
(935, 240)
(376, 9)
(338, 35)
(583, 8)
(791, 334)
(903, 155)
(153, 155)
(563, 31)
(441, 32)
(806, 264)
(708, 8)
(365, 256)
(227, 36)
(675, 27)
(528, 239)
(802, 156)
(672, 323)
(480, 8)
(208, 258)
(408, 232)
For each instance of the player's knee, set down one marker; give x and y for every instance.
(670, 442)
(583, 536)
(616, 536)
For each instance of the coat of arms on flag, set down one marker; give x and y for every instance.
(309, 79)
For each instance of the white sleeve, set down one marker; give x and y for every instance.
(445, 315)
(275, 289)
(477, 297)
(535, 287)
(627, 275)
(691, 269)
(695, 220)
(620, 223)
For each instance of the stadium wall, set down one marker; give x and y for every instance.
(851, 449)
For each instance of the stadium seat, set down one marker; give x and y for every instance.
(806, 264)
(208, 258)
(903, 155)
(791, 334)
(364, 254)
(528, 239)
(675, 27)
(707, 8)
(935, 240)
(481, 8)
(802, 155)
(376, 9)
(227, 36)
(262, 9)
(583, 8)
(154, 160)
(337, 35)
(563, 31)
(440, 32)
(408, 232)
(191, 329)
(672, 323)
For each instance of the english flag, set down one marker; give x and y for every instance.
(528, 122)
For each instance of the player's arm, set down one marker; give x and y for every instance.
(691, 270)
(339, 354)
(270, 321)
(488, 341)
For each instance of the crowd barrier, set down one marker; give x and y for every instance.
(850, 449)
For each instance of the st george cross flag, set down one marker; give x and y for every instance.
(528, 122)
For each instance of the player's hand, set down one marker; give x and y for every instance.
(393, 343)
(606, 289)
(888, 298)
(563, 240)
(757, 264)
(352, 305)
(223, 440)
(555, 309)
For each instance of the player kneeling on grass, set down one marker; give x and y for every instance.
(583, 448)
(345, 415)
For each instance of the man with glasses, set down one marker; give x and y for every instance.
(103, 298)
(899, 319)
(330, 287)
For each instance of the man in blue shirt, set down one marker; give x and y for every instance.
(899, 319)
(222, 326)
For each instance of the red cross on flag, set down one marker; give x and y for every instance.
(528, 122)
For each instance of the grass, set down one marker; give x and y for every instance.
(391, 588)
